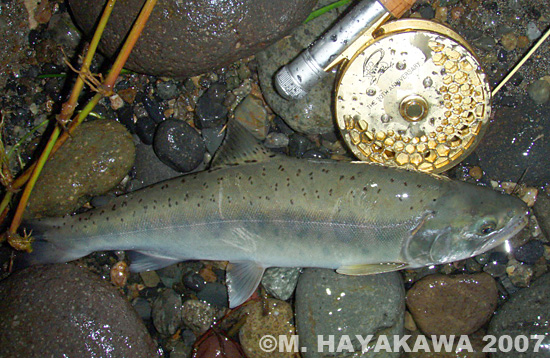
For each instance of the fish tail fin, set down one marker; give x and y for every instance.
(48, 245)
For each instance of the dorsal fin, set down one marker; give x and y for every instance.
(240, 147)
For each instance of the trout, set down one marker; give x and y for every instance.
(257, 209)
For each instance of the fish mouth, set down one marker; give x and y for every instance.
(509, 231)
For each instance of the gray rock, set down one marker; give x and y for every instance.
(210, 111)
(199, 315)
(313, 113)
(542, 210)
(167, 89)
(526, 313)
(186, 38)
(96, 158)
(253, 116)
(178, 145)
(280, 282)
(516, 146)
(276, 140)
(539, 91)
(142, 307)
(530, 252)
(213, 138)
(331, 304)
(214, 293)
(532, 31)
(149, 169)
(167, 312)
(66, 311)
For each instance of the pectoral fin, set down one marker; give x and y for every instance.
(242, 279)
(370, 269)
(148, 260)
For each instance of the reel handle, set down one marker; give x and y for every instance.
(294, 80)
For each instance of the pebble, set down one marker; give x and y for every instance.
(519, 274)
(509, 41)
(149, 169)
(280, 282)
(445, 305)
(530, 252)
(145, 129)
(252, 114)
(99, 155)
(170, 275)
(542, 210)
(178, 145)
(526, 313)
(523, 41)
(313, 113)
(199, 316)
(119, 274)
(427, 11)
(213, 138)
(142, 307)
(495, 269)
(116, 102)
(441, 13)
(298, 145)
(276, 140)
(194, 281)
(539, 91)
(153, 108)
(167, 90)
(214, 293)
(210, 111)
(476, 172)
(43, 303)
(150, 278)
(125, 116)
(272, 317)
(532, 31)
(167, 312)
(327, 303)
(485, 43)
(217, 345)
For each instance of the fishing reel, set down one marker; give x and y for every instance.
(409, 93)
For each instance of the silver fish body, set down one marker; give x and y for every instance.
(277, 211)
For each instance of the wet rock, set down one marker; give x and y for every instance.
(93, 161)
(167, 89)
(15, 29)
(542, 211)
(199, 316)
(43, 303)
(153, 109)
(253, 116)
(214, 293)
(539, 91)
(194, 281)
(517, 144)
(477, 345)
(526, 313)
(532, 31)
(149, 169)
(167, 312)
(520, 275)
(217, 345)
(313, 113)
(276, 140)
(150, 278)
(280, 282)
(530, 252)
(194, 36)
(331, 304)
(298, 145)
(178, 145)
(210, 111)
(125, 115)
(509, 41)
(145, 129)
(142, 307)
(445, 305)
(213, 138)
(273, 317)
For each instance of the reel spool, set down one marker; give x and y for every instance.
(413, 96)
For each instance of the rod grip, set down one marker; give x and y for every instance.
(397, 7)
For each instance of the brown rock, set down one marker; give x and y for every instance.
(456, 305)
(186, 38)
(66, 311)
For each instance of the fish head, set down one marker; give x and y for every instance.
(463, 224)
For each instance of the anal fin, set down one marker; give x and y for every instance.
(242, 279)
(370, 269)
(150, 260)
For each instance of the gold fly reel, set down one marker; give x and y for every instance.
(412, 96)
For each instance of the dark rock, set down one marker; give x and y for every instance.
(185, 38)
(167, 90)
(215, 294)
(142, 307)
(167, 312)
(153, 108)
(101, 200)
(145, 129)
(178, 145)
(539, 91)
(96, 158)
(542, 210)
(194, 281)
(527, 313)
(66, 311)
(298, 145)
(125, 115)
(514, 146)
(213, 138)
(149, 169)
(315, 154)
(530, 252)
(280, 282)
(209, 112)
(426, 11)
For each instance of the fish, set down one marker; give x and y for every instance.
(256, 209)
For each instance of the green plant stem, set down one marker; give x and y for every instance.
(324, 9)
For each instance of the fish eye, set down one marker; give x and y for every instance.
(487, 228)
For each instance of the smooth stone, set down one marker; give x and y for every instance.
(210, 111)
(539, 91)
(153, 108)
(272, 317)
(542, 210)
(149, 169)
(280, 282)
(199, 316)
(526, 313)
(217, 345)
(313, 113)
(530, 252)
(167, 312)
(66, 311)
(178, 145)
(94, 160)
(328, 303)
(298, 145)
(252, 114)
(214, 293)
(150, 278)
(532, 31)
(142, 307)
(187, 38)
(515, 143)
(276, 140)
(145, 129)
(125, 115)
(167, 90)
(445, 305)
(194, 281)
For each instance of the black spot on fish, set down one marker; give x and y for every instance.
(434, 200)
(411, 208)
(107, 218)
(176, 203)
(198, 205)
(378, 191)
(341, 177)
(330, 192)
(365, 189)
(405, 183)
(250, 161)
(145, 207)
(291, 202)
(121, 220)
(154, 207)
(114, 207)
(392, 180)
(140, 200)
(79, 219)
(182, 180)
(267, 198)
(419, 185)
(352, 177)
(124, 203)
